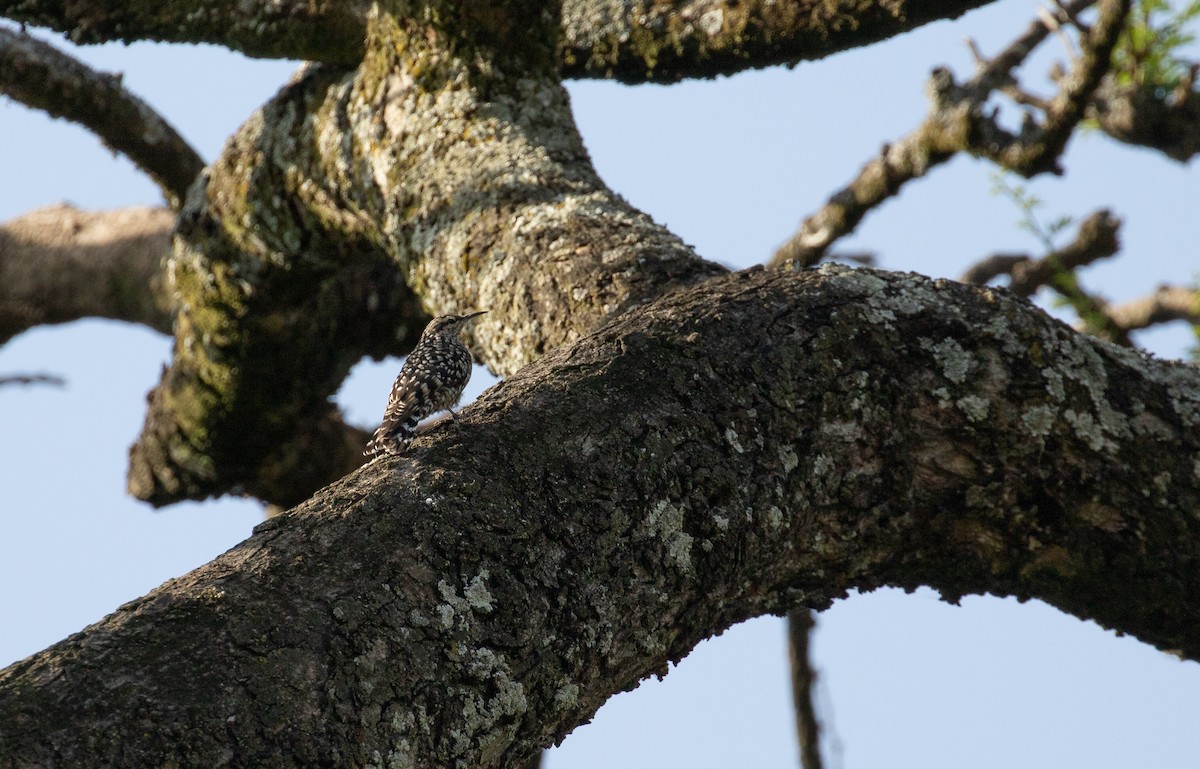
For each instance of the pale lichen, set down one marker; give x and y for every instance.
(974, 407)
(955, 361)
(1089, 430)
(665, 522)
(788, 458)
(1038, 420)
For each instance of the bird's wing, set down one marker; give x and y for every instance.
(402, 403)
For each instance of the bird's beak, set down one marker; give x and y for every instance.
(473, 315)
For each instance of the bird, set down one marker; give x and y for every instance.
(431, 380)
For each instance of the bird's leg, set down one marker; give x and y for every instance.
(453, 416)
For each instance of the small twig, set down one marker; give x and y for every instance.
(1166, 304)
(1040, 152)
(1025, 98)
(958, 121)
(30, 379)
(1091, 309)
(808, 731)
(1052, 23)
(38, 75)
(992, 267)
(1097, 239)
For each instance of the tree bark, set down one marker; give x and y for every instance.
(758, 443)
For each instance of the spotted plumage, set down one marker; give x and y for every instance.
(431, 380)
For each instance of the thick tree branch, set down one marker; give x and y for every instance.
(636, 41)
(632, 41)
(758, 443)
(959, 120)
(282, 29)
(40, 76)
(60, 264)
(455, 170)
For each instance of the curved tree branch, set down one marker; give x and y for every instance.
(59, 264)
(634, 42)
(758, 443)
(282, 29)
(37, 75)
(31, 379)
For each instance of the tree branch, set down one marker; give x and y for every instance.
(1166, 304)
(959, 121)
(60, 264)
(31, 379)
(1137, 115)
(281, 29)
(599, 513)
(1098, 238)
(633, 42)
(638, 42)
(800, 625)
(39, 76)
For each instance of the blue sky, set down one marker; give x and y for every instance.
(732, 165)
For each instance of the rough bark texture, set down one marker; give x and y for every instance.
(761, 442)
(288, 29)
(688, 449)
(59, 264)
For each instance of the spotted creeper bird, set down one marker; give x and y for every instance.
(431, 380)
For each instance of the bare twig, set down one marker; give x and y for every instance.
(992, 267)
(959, 121)
(1166, 304)
(31, 379)
(1040, 151)
(36, 74)
(808, 731)
(1097, 239)
(1091, 308)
